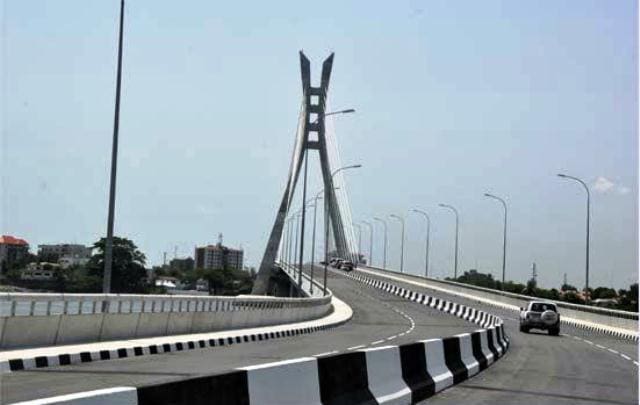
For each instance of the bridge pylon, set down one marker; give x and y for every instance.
(310, 137)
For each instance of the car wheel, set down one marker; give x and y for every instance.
(554, 331)
(524, 329)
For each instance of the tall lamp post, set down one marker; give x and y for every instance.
(326, 223)
(426, 254)
(108, 249)
(586, 188)
(370, 226)
(455, 211)
(384, 256)
(401, 241)
(504, 235)
(359, 241)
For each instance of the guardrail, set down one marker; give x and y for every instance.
(608, 317)
(30, 320)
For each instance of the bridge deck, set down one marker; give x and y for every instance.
(377, 317)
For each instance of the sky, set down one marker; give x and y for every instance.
(452, 99)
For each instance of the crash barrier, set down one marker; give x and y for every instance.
(28, 359)
(407, 373)
(622, 324)
(32, 320)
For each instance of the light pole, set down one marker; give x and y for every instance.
(313, 243)
(455, 211)
(359, 240)
(370, 225)
(108, 249)
(384, 256)
(504, 235)
(326, 223)
(426, 254)
(586, 188)
(401, 241)
(355, 166)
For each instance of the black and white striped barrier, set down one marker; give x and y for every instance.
(175, 344)
(481, 318)
(383, 375)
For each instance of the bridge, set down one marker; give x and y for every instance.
(310, 333)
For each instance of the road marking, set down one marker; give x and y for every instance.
(614, 351)
(600, 347)
(588, 342)
(636, 363)
(377, 342)
(624, 356)
(391, 338)
(355, 347)
(577, 338)
(325, 353)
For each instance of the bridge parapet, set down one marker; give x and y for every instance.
(615, 322)
(31, 320)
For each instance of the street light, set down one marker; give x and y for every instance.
(455, 211)
(326, 222)
(359, 240)
(384, 257)
(426, 254)
(370, 225)
(504, 235)
(401, 241)
(586, 188)
(108, 249)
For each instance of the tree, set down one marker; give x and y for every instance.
(603, 292)
(128, 273)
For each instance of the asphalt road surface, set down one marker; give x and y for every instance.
(578, 367)
(378, 319)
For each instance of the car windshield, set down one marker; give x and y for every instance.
(541, 307)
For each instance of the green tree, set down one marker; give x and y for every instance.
(128, 273)
(603, 292)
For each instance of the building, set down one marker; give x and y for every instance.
(65, 250)
(218, 257)
(40, 271)
(184, 265)
(12, 250)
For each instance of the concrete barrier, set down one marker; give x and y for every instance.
(615, 322)
(33, 320)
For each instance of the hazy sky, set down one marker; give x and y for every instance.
(453, 99)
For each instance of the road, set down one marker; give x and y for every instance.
(379, 319)
(577, 367)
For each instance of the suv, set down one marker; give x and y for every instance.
(346, 265)
(540, 315)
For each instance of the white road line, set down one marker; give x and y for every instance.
(614, 351)
(377, 342)
(391, 338)
(355, 347)
(588, 342)
(624, 356)
(600, 347)
(325, 353)
(577, 338)
(636, 363)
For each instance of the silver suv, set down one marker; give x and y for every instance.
(540, 315)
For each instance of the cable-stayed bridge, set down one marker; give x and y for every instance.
(367, 336)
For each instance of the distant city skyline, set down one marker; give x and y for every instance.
(453, 100)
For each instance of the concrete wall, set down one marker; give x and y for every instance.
(31, 320)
